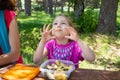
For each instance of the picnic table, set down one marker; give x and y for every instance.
(78, 74)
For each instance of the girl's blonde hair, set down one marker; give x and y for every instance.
(69, 21)
(67, 18)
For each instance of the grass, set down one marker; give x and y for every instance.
(29, 32)
(106, 48)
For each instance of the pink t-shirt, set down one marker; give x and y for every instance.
(70, 51)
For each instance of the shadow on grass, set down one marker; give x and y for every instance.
(30, 37)
(30, 25)
(108, 64)
(36, 20)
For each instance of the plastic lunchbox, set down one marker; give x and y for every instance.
(44, 70)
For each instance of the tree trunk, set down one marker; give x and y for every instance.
(78, 8)
(68, 6)
(107, 18)
(19, 5)
(95, 3)
(37, 1)
(55, 1)
(45, 4)
(62, 6)
(28, 7)
(50, 7)
(85, 3)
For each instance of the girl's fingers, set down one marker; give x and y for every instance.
(71, 29)
(40, 30)
(68, 37)
(51, 30)
(44, 27)
(46, 30)
(48, 27)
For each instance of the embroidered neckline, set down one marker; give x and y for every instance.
(63, 53)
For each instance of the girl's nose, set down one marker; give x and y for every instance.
(58, 26)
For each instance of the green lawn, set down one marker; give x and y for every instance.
(105, 47)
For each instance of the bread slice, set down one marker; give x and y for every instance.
(21, 72)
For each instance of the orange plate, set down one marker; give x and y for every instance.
(21, 72)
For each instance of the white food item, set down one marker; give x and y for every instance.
(49, 75)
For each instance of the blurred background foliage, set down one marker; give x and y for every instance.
(106, 47)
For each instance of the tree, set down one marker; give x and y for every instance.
(96, 3)
(45, 5)
(62, 5)
(107, 17)
(19, 5)
(28, 7)
(92, 3)
(78, 8)
(54, 4)
(50, 7)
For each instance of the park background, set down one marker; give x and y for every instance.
(97, 22)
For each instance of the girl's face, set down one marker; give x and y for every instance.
(60, 25)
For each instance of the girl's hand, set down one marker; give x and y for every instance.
(73, 34)
(46, 33)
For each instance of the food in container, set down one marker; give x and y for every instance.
(57, 69)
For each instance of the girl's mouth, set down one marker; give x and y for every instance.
(58, 29)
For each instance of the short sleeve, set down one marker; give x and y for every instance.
(9, 15)
(79, 51)
(49, 45)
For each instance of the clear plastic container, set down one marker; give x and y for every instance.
(44, 70)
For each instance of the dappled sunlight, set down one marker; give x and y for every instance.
(37, 20)
(105, 47)
(106, 51)
(35, 16)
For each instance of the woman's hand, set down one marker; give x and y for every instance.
(46, 33)
(72, 34)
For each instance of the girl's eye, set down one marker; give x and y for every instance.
(55, 23)
(63, 23)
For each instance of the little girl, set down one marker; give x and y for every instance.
(62, 42)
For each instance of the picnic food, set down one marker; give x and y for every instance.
(60, 75)
(21, 72)
(58, 66)
(57, 69)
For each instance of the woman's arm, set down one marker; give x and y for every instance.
(14, 41)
